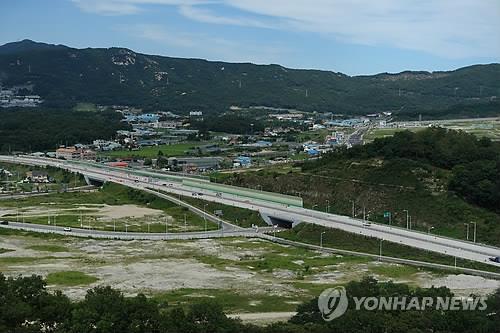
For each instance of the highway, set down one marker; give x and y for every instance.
(453, 247)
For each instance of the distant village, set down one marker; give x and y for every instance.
(289, 135)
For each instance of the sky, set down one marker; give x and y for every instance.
(349, 36)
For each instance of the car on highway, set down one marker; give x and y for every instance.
(367, 224)
(495, 259)
(68, 229)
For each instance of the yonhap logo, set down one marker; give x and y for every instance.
(333, 303)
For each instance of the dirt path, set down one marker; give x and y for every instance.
(262, 317)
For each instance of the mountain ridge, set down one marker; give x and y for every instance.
(63, 75)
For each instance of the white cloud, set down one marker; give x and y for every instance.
(207, 16)
(212, 47)
(128, 7)
(447, 28)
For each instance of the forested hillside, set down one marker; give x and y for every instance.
(445, 179)
(45, 129)
(64, 76)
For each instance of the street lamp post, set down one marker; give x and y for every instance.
(475, 229)
(407, 218)
(205, 216)
(380, 251)
(429, 228)
(321, 238)
(328, 206)
(353, 209)
(467, 227)
(312, 210)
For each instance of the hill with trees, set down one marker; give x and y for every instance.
(445, 179)
(64, 76)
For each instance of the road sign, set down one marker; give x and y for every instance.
(387, 214)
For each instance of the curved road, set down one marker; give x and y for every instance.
(443, 245)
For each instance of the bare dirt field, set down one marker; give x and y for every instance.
(247, 275)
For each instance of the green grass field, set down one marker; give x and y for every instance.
(49, 248)
(70, 278)
(178, 149)
(85, 107)
(334, 238)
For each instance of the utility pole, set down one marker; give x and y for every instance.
(380, 251)
(321, 238)
(328, 206)
(353, 209)
(467, 227)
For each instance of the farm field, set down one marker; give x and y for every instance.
(489, 128)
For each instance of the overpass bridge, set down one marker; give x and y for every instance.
(275, 208)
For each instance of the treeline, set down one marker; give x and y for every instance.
(27, 306)
(474, 163)
(30, 129)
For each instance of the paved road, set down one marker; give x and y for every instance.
(443, 245)
(356, 138)
(79, 232)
